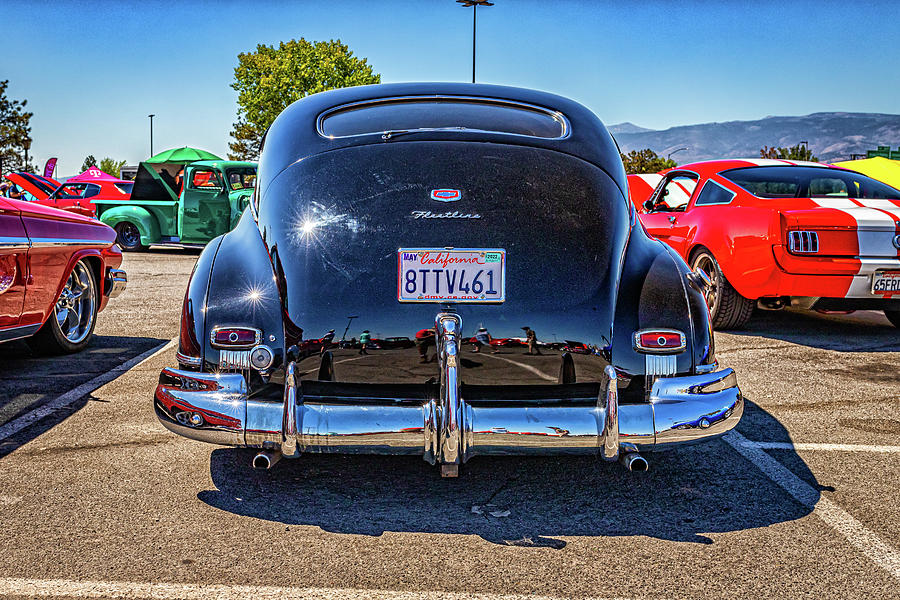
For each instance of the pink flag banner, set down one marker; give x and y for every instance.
(50, 167)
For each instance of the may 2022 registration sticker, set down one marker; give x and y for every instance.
(451, 275)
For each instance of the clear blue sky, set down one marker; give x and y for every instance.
(93, 71)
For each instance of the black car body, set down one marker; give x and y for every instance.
(348, 179)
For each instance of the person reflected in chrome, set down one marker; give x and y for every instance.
(364, 338)
(425, 338)
(531, 340)
(483, 338)
(327, 341)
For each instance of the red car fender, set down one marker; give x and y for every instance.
(740, 238)
(59, 240)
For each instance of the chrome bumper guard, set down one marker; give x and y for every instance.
(216, 408)
(116, 282)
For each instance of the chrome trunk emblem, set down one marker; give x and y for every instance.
(446, 195)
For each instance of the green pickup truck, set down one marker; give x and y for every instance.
(189, 210)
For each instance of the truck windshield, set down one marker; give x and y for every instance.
(241, 179)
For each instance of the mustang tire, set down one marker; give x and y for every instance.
(727, 308)
(71, 323)
(128, 237)
(893, 316)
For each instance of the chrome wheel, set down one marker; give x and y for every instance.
(704, 262)
(75, 309)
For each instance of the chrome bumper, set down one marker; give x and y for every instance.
(116, 282)
(447, 430)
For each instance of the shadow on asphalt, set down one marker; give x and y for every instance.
(687, 494)
(28, 381)
(857, 332)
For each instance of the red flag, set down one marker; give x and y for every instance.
(50, 167)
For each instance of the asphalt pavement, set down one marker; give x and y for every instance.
(98, 500)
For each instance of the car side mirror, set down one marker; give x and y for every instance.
(648, 204)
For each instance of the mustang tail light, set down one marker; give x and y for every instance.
(234, 337)
(823, 241)
(659, 341)
(803, 242)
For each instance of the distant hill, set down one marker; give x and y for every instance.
(832, 136)
(627, 127)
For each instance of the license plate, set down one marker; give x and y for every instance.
(886, 282)
(455, 275)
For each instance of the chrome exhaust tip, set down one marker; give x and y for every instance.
(635, 462)
(266, 459)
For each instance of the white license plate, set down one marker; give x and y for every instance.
(886, 282)
(456, 275)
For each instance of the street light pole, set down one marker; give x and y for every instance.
(151, 134)
(675, 151)
(474, 4)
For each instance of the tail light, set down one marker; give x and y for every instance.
(234, 337)
(659, 341)
(803, 242)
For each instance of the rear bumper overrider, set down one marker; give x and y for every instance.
(116, 282)
(216, 408)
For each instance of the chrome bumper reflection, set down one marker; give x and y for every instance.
(216, 408)
(116, 282)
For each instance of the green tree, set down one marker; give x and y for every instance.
(15, 132)
(645, 161)
(798, 152)
(89, 161)
(112, 166)
(271, 78)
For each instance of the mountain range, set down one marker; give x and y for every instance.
(832, 136)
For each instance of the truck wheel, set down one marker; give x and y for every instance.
(893, 316)
(727, 308)
(71, 323)
(128, 237)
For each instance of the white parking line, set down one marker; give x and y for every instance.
(825, 447)
(17, 425)
(44, 588)
(534, 370)
(840, 520)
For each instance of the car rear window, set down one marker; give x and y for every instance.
(808, 182)
(404, 115)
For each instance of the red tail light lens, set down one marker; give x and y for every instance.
(660, 341)
(235, 337)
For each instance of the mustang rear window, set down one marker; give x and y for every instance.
(808, 182)
(404, 115)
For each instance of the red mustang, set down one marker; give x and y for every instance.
(778, 233)
(57, 270)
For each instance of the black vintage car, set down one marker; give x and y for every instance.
(429, 211)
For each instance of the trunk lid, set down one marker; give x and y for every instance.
(335, 221)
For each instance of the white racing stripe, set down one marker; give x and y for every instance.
(48, 588)
(840, 520)
(823, 447)
(71, 396)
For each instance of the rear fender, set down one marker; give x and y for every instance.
(657, 291)
(242, 291)
(139, 216)
(193, 310)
